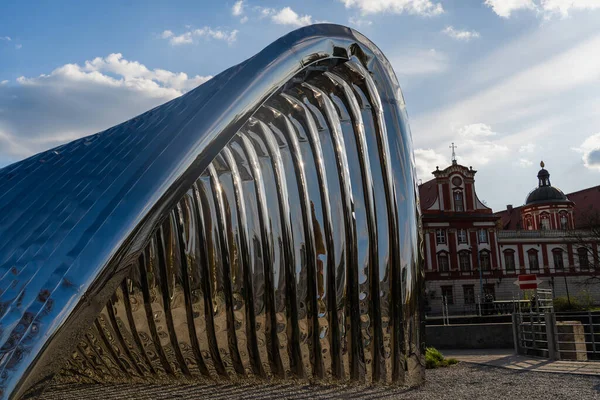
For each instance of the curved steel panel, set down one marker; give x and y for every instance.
(264, 224)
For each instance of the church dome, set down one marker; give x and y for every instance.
(545, 192)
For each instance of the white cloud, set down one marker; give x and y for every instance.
(5, 38)
(426, 160)
(18, 46)
(527, 148)
(590, 149)
(205, 32)
(504, 8)
(4, 82)
(415, 7)
(359, 22)
(460, 34)
(419, 62)
(476, 145)
(244, 19)
(287, 16)
(526, 94)
(264, 11)
(524, 163)
(75, 100)
(238, 8)
(474, 131)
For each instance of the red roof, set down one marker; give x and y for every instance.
(586, 201)
(428, 194)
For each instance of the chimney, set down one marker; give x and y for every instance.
(509, 208)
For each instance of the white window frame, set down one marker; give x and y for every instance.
(460, 233)
(440, 236)
(482, 233)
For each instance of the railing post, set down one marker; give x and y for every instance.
(550, 335)
(592, 331)
(557, 339)
(515, 322)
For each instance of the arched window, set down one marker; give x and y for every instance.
(458, 201)
(584, 262)
(564, 221)
(484, 260)
(464, 259)
(509, 260)
(443, 262)
(534, 263)
(557, 256)
(545, 222)
(528, 223)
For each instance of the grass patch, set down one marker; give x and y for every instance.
(435, 359)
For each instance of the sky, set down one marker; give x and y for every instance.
(510, 82)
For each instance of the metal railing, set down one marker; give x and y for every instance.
(558, 336)
(577, 335)
(550, 233)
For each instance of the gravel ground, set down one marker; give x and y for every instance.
(462, 381)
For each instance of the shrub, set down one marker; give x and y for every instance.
(561, 304)
(435, 359)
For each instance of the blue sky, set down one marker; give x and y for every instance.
(510, 81)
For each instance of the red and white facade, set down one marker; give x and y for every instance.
(463, 235)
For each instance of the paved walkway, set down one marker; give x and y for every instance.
(507, 359)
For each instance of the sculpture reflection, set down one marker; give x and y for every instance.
(264, 224)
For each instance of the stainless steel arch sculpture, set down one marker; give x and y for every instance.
(265, 223)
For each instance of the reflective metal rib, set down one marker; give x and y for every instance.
(397, 320)
(368, 190)
(144, 261)
(270, 318)
(166, 295)
(117, 330)
(252, 345)
(330, 301)
(95, 356)
(107, 346)
(255, 252)
(353, 336)
(226, 270)
(189, 311)
(289, 262)
(310, 253)
(133, 328)
(200, 205)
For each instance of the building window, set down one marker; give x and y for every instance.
(440, 236)
(545, 223)
(528, 223)
(557, 256)
(458, 201)
(464, 259)
(483, 237)
(509, 260)
(584, 262)
(484, 260)
(469, 294)
(462, 236)
(447, 293)
(489, 291)
(534, 264)
(564, 221)
(443, 262)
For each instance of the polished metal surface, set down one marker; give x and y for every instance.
(265, 224)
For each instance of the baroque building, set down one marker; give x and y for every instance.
(473, 253)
